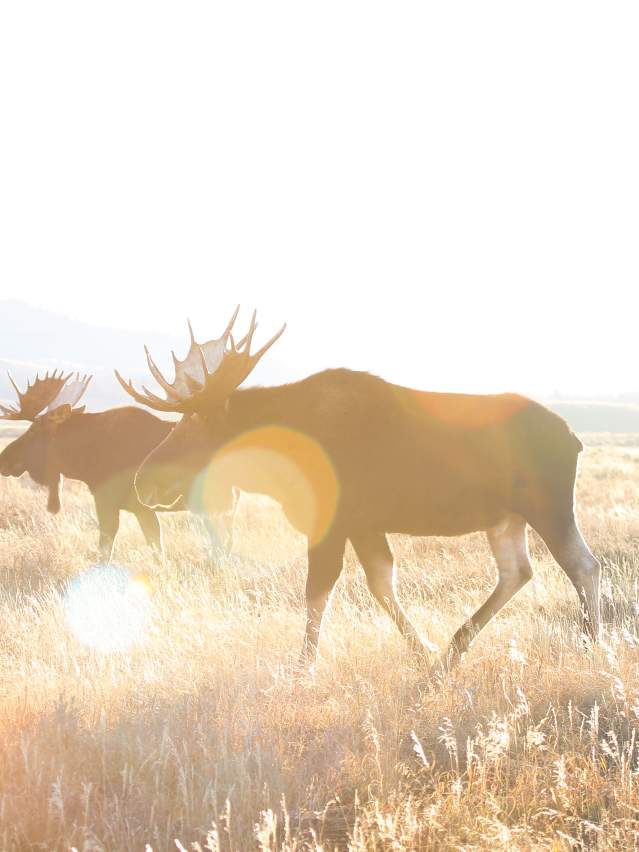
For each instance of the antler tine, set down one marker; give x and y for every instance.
(86, 381)
(58, 375)
(166, 386)
(237, 364)
(244, 339)
(235, 347)
(128, 387)
(249, 337)
(70, 391)
(15, 387)
(228, 328)
(151, 401)
(255, 358)
(212, 369)
(202, 360)
(37, 394)
(153, 397)
(9, 413)
(240, 345)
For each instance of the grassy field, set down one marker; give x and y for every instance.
(199, 736)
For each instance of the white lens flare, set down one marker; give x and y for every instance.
(108, 608)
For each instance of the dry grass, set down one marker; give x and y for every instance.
(201, 734)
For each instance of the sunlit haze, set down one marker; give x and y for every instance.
(443, 194)
(108, 608)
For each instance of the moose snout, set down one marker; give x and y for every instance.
(9, 467)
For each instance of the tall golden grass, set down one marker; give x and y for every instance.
(201, 736)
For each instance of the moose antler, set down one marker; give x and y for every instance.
(210, 372)
(71, 392)
(36, 396)
(189, 373)
(237, 364)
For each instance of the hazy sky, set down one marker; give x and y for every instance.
(443, 193)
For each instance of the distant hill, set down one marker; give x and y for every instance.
(33, 339)
(599, 416)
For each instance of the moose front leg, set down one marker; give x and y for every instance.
(109, 522)
(53, 500)
(325, 563)
(151, 529)
(377, 561)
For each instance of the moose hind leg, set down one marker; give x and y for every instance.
(568, 547)
(508, 542)
(377, 561)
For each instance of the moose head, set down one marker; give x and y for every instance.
(48, 403)
(203, 384)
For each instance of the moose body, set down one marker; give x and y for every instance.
(406, 461)
(103, 450)
(401, 461)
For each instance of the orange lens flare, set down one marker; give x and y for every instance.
(464, 410)
(282, 463)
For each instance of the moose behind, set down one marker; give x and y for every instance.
(102, 449)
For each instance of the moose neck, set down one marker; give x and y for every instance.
(97, 447)
(74, 446)
(271, 447)
(252, 408)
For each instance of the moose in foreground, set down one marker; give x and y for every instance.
(377, 458)
(104, 450)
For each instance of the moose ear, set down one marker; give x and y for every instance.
(59, 414)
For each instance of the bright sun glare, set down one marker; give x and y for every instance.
(442, 194)
(108, 608)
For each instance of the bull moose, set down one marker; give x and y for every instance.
(102, 449)
(376, 458)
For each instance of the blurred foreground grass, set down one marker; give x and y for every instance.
(201, 734)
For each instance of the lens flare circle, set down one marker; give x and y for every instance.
(283, 463)
(108, 608)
